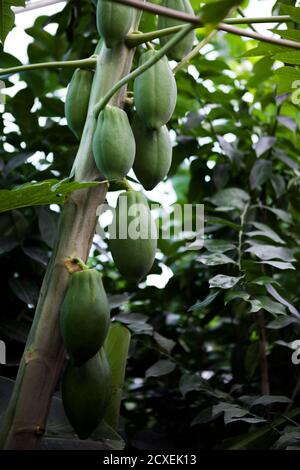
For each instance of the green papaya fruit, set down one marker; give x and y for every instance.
(133, 236)
(153, 153)
(155, 92)
(77, 100)
(116, 347)
(113, 143)
(86, 392)
(183, 47)
(84, 315)
(113, 21)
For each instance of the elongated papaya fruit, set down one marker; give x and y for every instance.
(84, 316)
(85, 393)
(113, 21)
(116, 347)
(153, 153)
(113, 143)
(77, 100)
(155, 92)
(183, 47)
(133, 236)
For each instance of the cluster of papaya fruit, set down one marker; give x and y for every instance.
(118, 145)
(84, 321)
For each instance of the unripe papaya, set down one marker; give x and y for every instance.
(133, 236)
(84, 316)
(86, 392)
(155, 92)
(183, 47)
(113, 143)
(77, 100)
(113, 21)
(153, 153)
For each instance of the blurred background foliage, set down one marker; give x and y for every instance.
(210, 364)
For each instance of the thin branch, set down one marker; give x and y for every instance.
(264, 368)
(240, 11)
(194, 52)
(259, 37)
(241, 234)
(84, 63)
(259, 20)
(135, 39)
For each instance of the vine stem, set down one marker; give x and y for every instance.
(224, 26)
(142, 68)
(241, 233)
(264, 368)
(83, 64)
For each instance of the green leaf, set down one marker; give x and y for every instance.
(264, 280)
(260, 173)
(264, 144)
(266, 400)
(204, 303)
(273, 292)
(292, 34)
(218, 246)
(215, 11)
(215, 259)
(7, 17)
(224, 282)
(39, 193)
(265, 231)
(265, 303)
(294, 12)
(279, 265)
(236, 294)
(270, 252)
(231, 198)
(281, 214)
(162, 367)
(286, 78)
(288, 57)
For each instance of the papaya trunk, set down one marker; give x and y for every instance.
(25, 419)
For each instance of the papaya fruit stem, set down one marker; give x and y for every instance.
(142, 68)
(75, 264)
(134, 39)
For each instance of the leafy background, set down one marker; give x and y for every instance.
(197, 374)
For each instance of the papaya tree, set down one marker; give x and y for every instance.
(144, 93)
